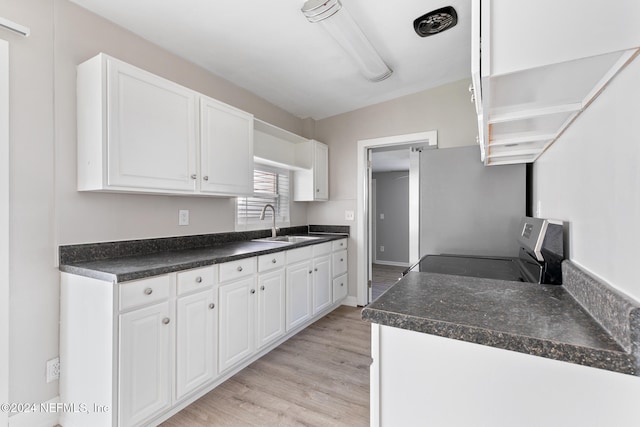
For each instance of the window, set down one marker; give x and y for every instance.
(270, 185)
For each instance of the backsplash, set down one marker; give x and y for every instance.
(616, 312)
(107, 250)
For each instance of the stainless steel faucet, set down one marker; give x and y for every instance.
(274, 229)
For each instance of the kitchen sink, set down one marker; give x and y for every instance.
(288, 239)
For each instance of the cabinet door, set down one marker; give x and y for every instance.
(151, 131)
(145, 363)
(339, 262)
(340, 287)
(237, 318)
(299, 297)
(321, 171)
(196, 341)
(271, 300)
(322, 284)
(226, 149)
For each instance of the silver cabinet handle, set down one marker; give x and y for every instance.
(212, 306)
(166, 320)
(262, 288)
(310, 271)
(273, 261)
(194, 176)
(198, 279)
(239, 268)
(315, 269)
(148, 291)
(253, 291)
(206, 178)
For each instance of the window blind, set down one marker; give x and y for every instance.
(270, 185)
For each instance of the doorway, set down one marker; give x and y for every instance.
(390, 195)
(365, 257)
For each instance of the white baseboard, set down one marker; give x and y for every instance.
(47, 415)
(394, 263)
(350, 301)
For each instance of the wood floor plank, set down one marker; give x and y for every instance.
(319, 377)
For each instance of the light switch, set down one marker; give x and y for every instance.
(381, 216)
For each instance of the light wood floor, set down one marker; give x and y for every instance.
(383, 277)
(319, 377)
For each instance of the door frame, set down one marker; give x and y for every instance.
(430, 139)
(4, 228)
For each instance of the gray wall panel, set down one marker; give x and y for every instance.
(468, 208)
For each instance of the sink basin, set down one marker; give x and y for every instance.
(287, 239)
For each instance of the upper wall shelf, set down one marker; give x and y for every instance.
(525, 102)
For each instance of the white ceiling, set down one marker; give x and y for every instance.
(270, 49)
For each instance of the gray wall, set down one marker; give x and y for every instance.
(392, 232)
(467, 208)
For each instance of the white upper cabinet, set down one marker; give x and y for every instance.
(537, 65)
(135, 130)
(312, 184)
(138, 132)
(227, 149)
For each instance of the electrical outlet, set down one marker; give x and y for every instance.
(382, 216)
(183, 217)
(381, 248)
(349, 215)
(53, 369)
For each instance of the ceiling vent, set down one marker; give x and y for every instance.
(436, 21)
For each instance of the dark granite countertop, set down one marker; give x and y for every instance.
(138, 266)
(541, 320)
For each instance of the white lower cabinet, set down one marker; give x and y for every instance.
(299, 287)
(321, 283)
(196, 341)
(271, 300)
(340, 288)
(142, 348)
(340, 270)
(145, 362)
(237, 321)
(299, 296)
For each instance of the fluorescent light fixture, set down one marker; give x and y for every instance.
(10, 25)
(337, 22)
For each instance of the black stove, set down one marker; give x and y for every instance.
(540, 256)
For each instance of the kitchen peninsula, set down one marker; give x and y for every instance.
(439, 342)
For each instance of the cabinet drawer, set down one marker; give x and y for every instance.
(339, 244)
(340, 288)
(339, 263)
(198, 278)
(145, 291)
(321, 249)
(300, 254)
(236, 269)
(270, 261)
